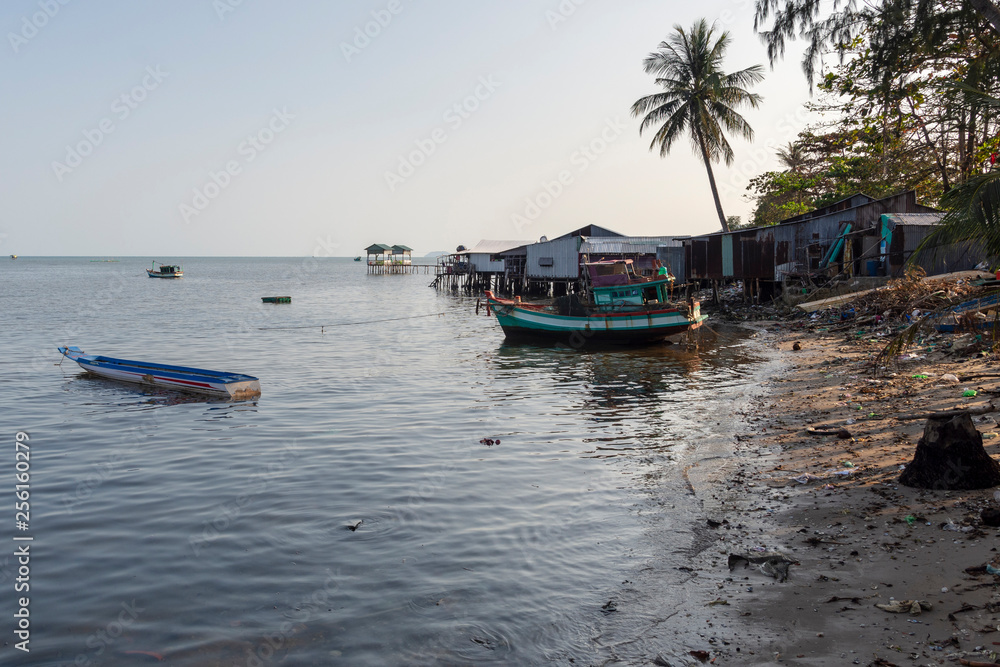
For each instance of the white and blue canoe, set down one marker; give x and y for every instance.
(180, 378)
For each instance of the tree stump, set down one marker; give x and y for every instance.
(950, 456)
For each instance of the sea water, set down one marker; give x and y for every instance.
(356, 513)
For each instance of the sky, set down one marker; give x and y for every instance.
(309, 128)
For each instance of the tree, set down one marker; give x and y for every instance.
(792, 156)
(847, 20)
(698, 98)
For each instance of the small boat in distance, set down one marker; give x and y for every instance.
(181, 378)
(166, 271)
(358, 258)
(13, 256)
(276, 299)
(619, 307)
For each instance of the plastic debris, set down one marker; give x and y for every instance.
(968, 393)
(773, 565)
(950, 378)
(912, 607)
(805, 479)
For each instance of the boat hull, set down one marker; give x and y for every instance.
(179, 378)
(157, 274)
(621, 328)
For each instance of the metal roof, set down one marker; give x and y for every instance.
(494, 247)
(927, 219)
(627, 245)
(377, 248)
(401, 248)
(590, 230)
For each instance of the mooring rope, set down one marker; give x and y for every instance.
(350, 324)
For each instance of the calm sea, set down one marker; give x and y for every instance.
(173, 530)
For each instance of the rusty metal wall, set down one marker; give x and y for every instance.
(762, 250)
(954, 257)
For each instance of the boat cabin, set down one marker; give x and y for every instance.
(167, 269)
(612, 272)
(647, 294)
(615, 284)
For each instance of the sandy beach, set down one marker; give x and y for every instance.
(834, 506)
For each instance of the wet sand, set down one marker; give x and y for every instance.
(858, 537)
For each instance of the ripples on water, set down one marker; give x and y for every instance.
(172, 530)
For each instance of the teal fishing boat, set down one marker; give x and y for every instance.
(618, 307)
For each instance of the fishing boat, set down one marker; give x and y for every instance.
(358, 258)
(618, 307)
(198, 380)
(165, 271)
(276, 299)
(13, 256)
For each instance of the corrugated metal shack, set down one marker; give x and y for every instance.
(559, 259)
(488, 261)
(556, 264)
(844, 237)
(901, 233)
(643, 250)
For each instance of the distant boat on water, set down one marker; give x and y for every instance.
(13, 256)
(199, 380)
(104, 260)
(166, 271)
(358, 258)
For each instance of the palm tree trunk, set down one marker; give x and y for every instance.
(711, 181)
(989, 11)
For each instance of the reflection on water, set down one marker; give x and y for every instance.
(227, 524)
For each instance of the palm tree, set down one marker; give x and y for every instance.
(792, 156)
(697, 97)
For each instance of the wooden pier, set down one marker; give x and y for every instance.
(388, 268)
(393, 260)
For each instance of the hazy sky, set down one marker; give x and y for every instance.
(247, 127)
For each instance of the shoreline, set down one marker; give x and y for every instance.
(859, 538)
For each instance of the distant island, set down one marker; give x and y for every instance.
(437, 253)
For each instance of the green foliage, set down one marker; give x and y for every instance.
(781, 195)
(907, 107)
(698, 99)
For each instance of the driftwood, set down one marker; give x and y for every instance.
(838, 431)
(947, 414)
(976, 376)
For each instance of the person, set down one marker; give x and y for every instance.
(660, 269)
